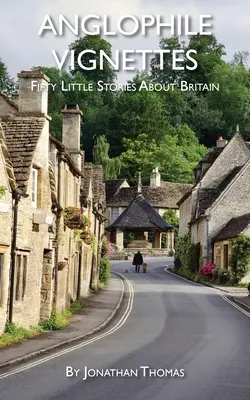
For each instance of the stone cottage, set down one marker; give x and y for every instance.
(43, 261)
(162, 196)
(219, 199)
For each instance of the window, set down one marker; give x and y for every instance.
(1, 274)
(34, 187)
(21, 276)
(114, 213)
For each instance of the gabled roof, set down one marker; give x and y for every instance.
(233, 228)
(60, 147)
(21, 136)
(93, 173)
(140, 215)
(11, 103)
(112, 186)
(211, 155)
(206, 197)
(8, 164)
(165, 196)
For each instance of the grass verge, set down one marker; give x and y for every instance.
(15, 334)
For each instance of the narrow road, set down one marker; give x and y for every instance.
(174, 325)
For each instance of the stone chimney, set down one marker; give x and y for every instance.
(155, 178)
(33, 92)
(71, 132)
(221, 142)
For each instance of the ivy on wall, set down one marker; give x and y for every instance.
(240, 257)
(187, 254)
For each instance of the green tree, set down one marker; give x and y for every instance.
(167, 74)
(136, 113)
(240, 58)
(233, 98)
(111, 166)
(209, 55)
(7, 84)
(176, 155)
(94, 43)
(171, 218)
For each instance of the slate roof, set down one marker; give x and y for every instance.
(67, 155)
(8, 164)
(233, 228)
(165, 196)
(206, 197)
(111, 187)
(140, 215)
(21, 137)
(12, 103)
(211, 155)
(94, 174)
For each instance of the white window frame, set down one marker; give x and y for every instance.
(34, 192)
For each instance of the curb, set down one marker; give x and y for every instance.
(203, 283)
(243, 305)
(69, 341)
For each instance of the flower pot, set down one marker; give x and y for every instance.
(73, 222)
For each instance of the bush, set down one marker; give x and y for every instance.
(105, 270)
(240, 257)
(197, 278)
(177, 263)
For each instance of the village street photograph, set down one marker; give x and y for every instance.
(125, 200)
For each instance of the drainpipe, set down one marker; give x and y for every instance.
(79, 274)
(58, 223)
(207, 219)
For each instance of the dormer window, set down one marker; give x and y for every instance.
(34, 187)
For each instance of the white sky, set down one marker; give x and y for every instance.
(22, 48)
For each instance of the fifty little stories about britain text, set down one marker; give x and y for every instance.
(129, 26)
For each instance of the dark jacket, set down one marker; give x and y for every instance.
(138, 260)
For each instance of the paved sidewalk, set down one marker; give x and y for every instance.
(233, 291)
(100, 309)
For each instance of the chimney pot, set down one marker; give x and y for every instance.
(221, 142)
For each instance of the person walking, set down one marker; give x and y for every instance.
(137, 261)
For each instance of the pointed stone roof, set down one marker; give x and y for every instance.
(140, 215)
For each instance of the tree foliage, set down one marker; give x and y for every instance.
(111, 166)
(7, 84)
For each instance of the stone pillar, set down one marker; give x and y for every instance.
(157, 240)
(119, 239)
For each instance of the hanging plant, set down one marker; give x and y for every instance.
(86, 221)
(72, 217)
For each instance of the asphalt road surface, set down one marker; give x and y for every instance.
(173, 325)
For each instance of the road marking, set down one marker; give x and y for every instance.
(119, 324)
(214, 289)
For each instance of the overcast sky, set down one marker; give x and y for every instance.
(22, 48)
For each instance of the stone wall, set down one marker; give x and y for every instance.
(129, 253)
(5, 241)
(33, 240)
